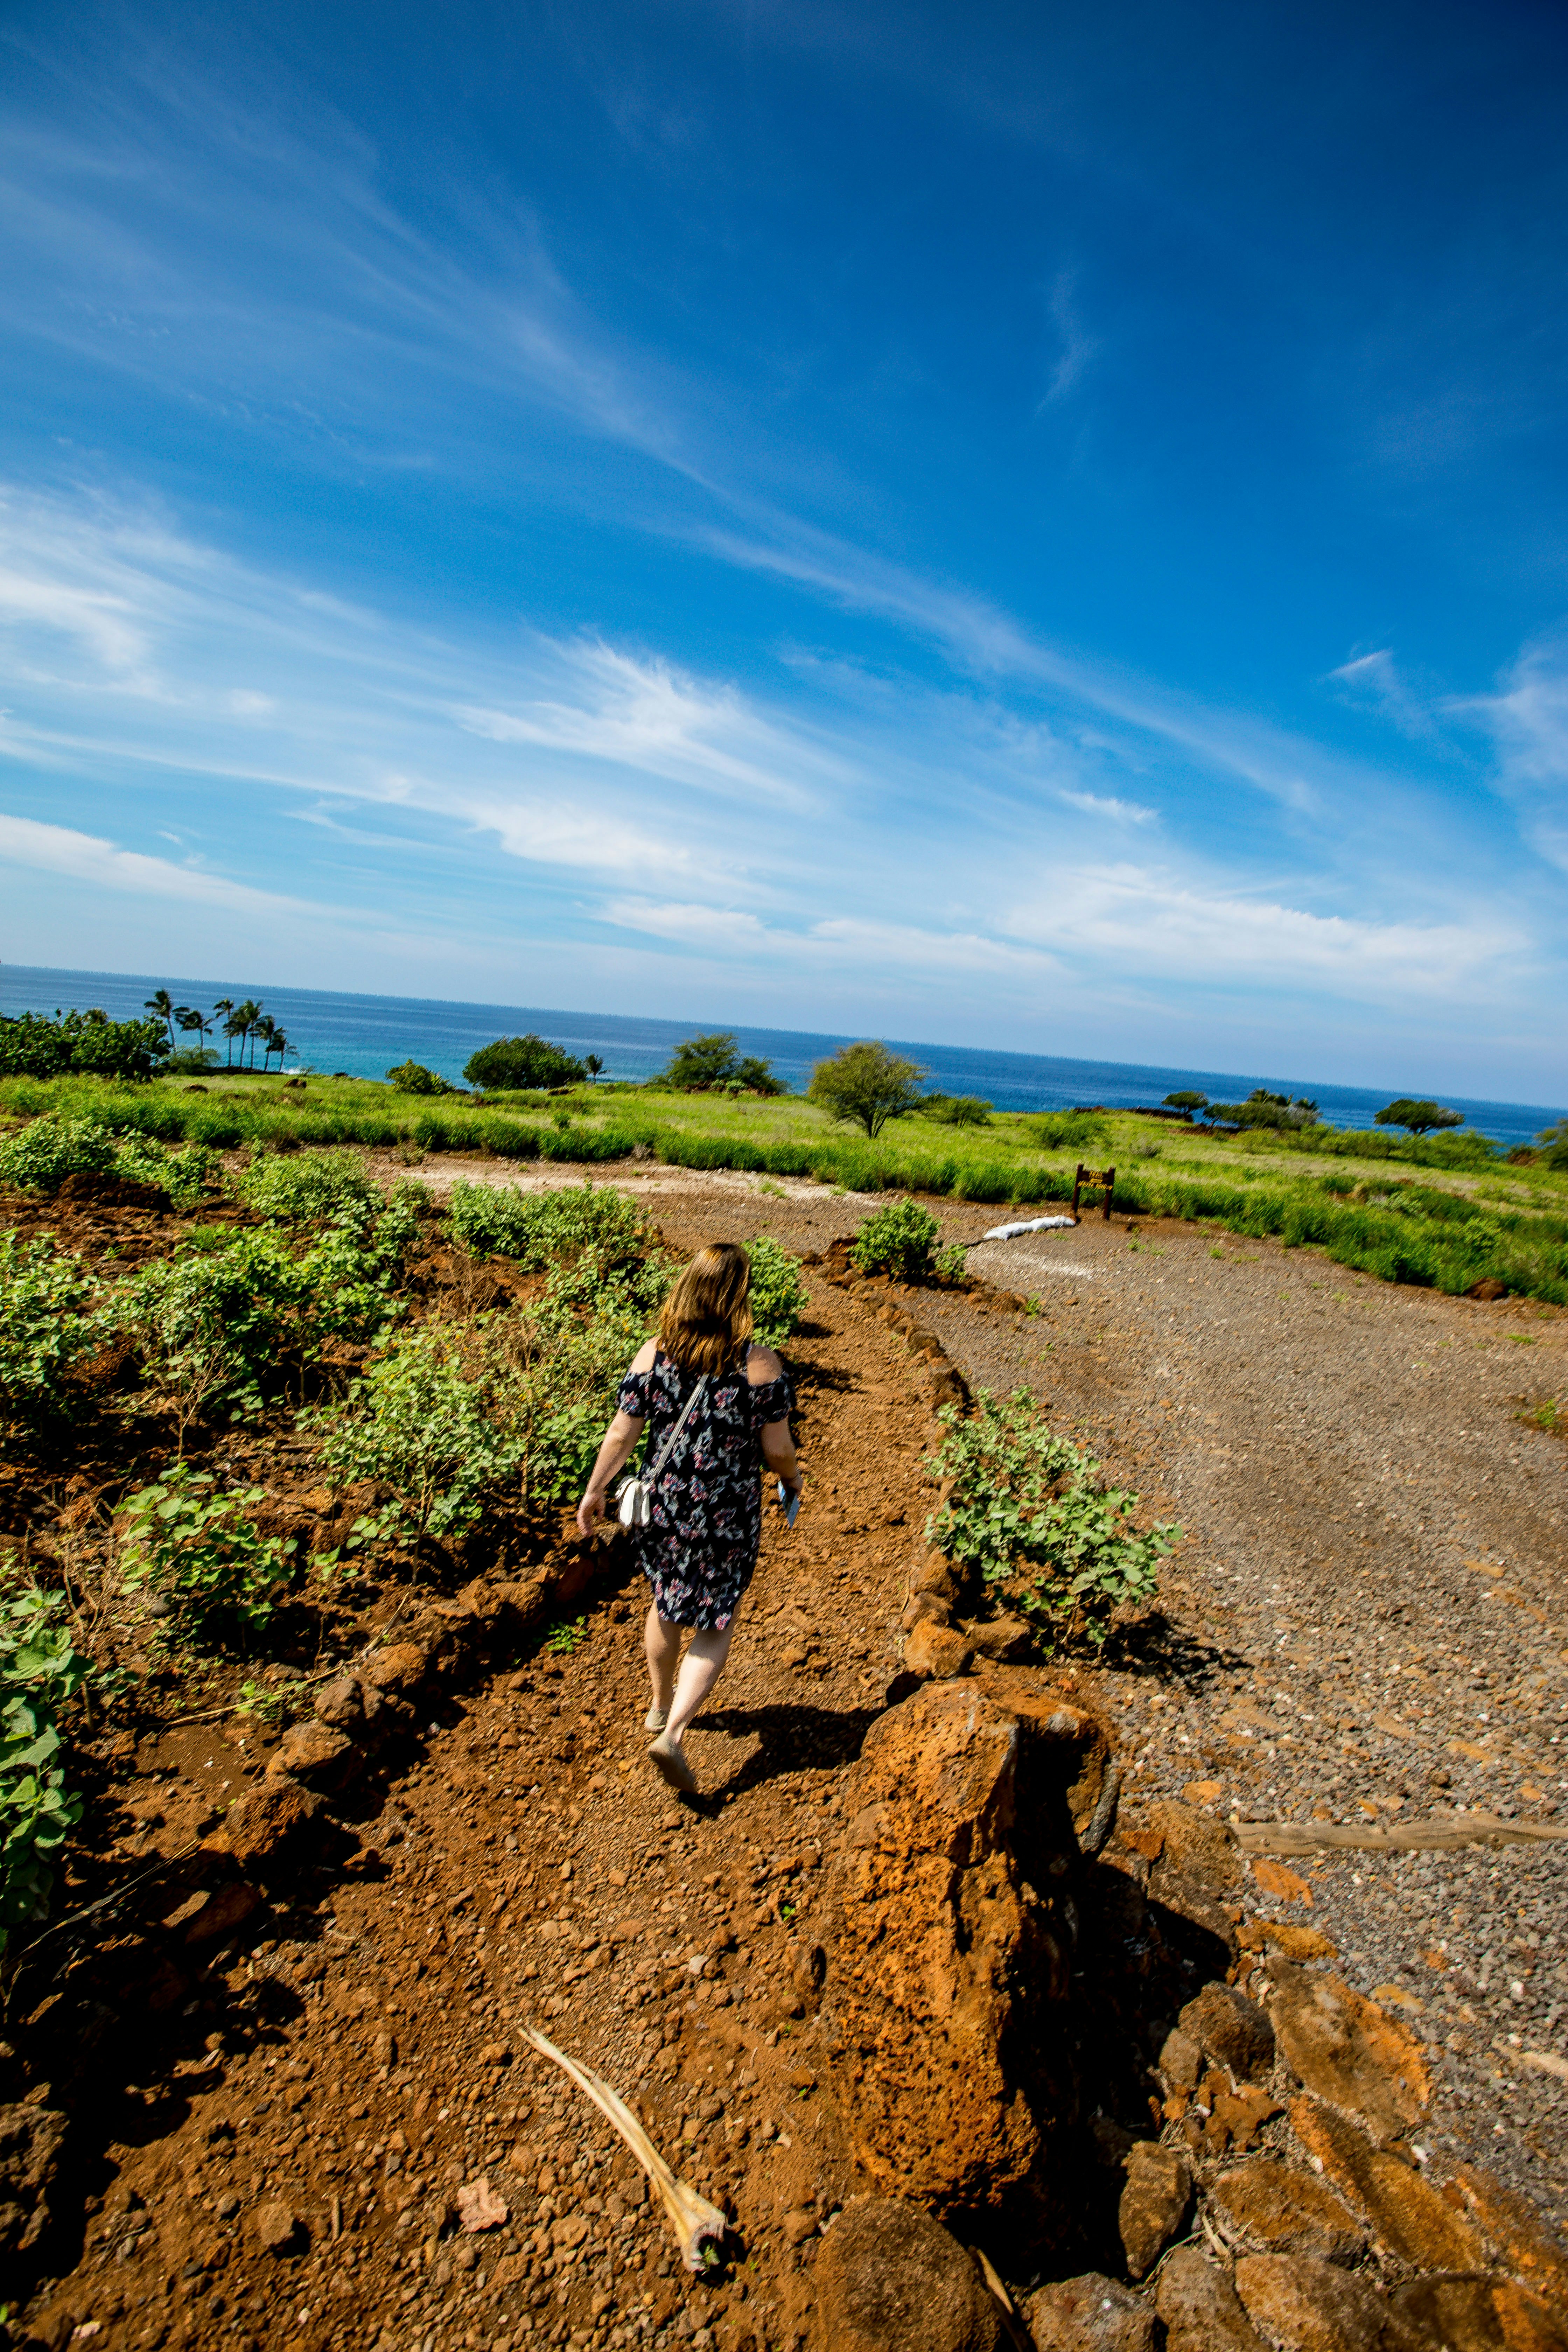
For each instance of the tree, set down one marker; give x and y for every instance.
(1187, 1099)
(700, 1063)
(593, 1064)
(755, 1076)
(32, 1046)
(266, 1030)
(1417, 1117)
(226, 1006)
(161, 1005)
(1553, 1141)
(240, 1024)
(516, 1063)
(865, 1086)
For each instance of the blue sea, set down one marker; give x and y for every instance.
(364, 1036)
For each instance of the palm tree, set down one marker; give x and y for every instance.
(226, 1006)
(593, 1064)
(280, 1046)
(193, 1023)
(163, 1004)
(266, 1030)
(246, 1017)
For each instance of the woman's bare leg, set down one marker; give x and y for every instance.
(662, 1644)
(705, 1660)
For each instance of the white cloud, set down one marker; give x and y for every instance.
(1528, 720)
(1118, 812)
(1147, 919)
(83, 857)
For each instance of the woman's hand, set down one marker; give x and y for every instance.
(591, 1510)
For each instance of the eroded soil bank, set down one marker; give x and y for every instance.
(272, 2154)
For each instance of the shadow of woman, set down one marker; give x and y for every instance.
(789, 1740)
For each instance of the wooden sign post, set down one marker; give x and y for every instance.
(1091, 1179)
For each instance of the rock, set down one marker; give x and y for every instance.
(889, 2276)
(1090, 2313)
(934, 1574)
(1192, 1842)
(1003, 1639)
(31, 2139)
(924, 1609)
(799, 2225)
(1299, 1943)
(260, 1820)
(278, 2227)
(400, 1668)
(1181, 2061)
(1347, 2051)
(1199, 2309)
(1519, 2240)
(226, 1908)
(1408, 2216)
(1068, 1749)
(1301, 2305)
(1271, 2211)
(937, 2021)
(1233, 2029)
(937, 1651)
(312, 1752)
(341, 1704)
(1478, 2315)
(478, 2207)
(1154, 2203)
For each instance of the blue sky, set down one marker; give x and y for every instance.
(1018, 526)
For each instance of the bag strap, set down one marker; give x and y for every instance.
(685, 1413)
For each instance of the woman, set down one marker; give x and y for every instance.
(705, 1522)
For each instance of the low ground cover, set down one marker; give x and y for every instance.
(1441, 1210)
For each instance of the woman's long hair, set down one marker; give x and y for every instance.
(707, 1319)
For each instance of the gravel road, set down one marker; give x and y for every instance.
(1369, 1618)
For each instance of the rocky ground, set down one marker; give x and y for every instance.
(1364, 1629)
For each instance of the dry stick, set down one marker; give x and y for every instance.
(1405, 1837)
(699, 2228)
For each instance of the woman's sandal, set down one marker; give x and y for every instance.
(666, 1756)
(656, 1718)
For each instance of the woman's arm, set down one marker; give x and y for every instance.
(614, 1454)
(778, 1446)
(615, 1451)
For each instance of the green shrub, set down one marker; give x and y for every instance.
(40, 1671)
(495, 1219)
(201, 1552)
(32, 1046)
(778, 1293)
(38, 1157)
(513, 1062)
(48, 1321)
(1026, 1509)
(416, 1423)
(955, 1110)
(412, 1078)
(218, 1325)
(951, 1264)
(307, 1189)
(1070, 1131)
(897, 1241)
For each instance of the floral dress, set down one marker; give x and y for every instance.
(705, 1515)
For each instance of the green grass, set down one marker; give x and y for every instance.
(1443, 1211)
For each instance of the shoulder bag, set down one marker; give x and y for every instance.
(632, 1496)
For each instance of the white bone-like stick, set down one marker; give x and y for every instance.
(699, 2228)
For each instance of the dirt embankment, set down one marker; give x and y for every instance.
(828, 1981)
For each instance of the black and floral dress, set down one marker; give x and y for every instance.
(705, 1515)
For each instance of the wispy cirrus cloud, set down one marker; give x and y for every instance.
(1527, 719)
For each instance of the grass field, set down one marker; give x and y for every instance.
(1443, 1212)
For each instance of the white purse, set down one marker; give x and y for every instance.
(632, 1496)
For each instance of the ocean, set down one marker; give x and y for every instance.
(364, 1036)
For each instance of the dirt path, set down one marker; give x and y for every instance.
(1338, 1451)
(357, 2062)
